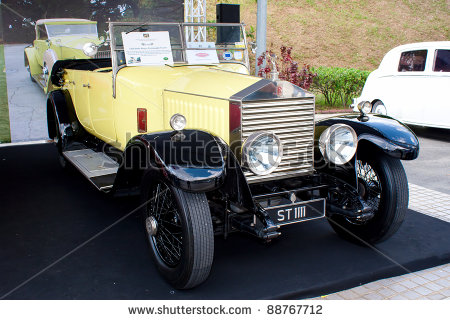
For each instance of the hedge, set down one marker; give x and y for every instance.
(339, 85)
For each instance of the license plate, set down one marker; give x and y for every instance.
(297, 212)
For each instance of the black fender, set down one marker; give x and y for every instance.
(58, 119)
(385, 133)
(62, 121)
(191, 160)
(235, 186)
(25, 57)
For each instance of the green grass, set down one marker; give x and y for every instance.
(346, 33)
(4, 112)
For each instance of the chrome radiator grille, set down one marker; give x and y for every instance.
(292, 120)
(103, 54)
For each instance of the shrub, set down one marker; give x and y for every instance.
(287, 68)
(339, 85)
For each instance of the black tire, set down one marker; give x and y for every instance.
(387, 192)
(62, 161)
(183, 221)
(59, 147)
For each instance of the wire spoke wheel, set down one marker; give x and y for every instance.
(179, 231)
(382, 184)
(167, 236)
(369, 185)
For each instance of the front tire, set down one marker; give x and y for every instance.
(383, 185)
(179, 230)
(59, 144)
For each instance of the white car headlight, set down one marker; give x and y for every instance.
(178, 122)
(364, 107)
(338, 143)
(262, 152)
(90, 49)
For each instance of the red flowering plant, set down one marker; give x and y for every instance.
(289, 70)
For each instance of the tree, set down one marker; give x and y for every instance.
(18, 15)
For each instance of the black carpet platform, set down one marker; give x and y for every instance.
(46, 212)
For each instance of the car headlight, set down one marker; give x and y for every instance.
(380, 109)
(364, 107)
(90, 49)
(262, 152)
(178, 122)
(338, 143)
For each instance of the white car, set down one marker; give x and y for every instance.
(412, 84)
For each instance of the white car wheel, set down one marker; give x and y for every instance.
(379, 108)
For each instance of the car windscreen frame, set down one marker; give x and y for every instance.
(115, 48)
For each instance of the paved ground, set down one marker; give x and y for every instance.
(429, 284)
(433, 203)
(432, 168)
(433, 284)
(26, 100)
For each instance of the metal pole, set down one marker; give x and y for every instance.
(261, 30)
(1, 23)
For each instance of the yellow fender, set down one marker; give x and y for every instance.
(31, 61)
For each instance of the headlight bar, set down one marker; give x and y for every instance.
(338, 143)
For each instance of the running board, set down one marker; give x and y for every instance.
(39, 78)
(100, 169)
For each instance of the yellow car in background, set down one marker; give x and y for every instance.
(173, 114)
(57, 39)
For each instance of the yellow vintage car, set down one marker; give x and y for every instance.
(174, 115)
(57, 39)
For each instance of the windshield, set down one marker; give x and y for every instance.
(136, 44)
(153, 44)
(57, 30)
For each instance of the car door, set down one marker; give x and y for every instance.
(81, 101)
(436, 87)
(101, 105)
(41, 43)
